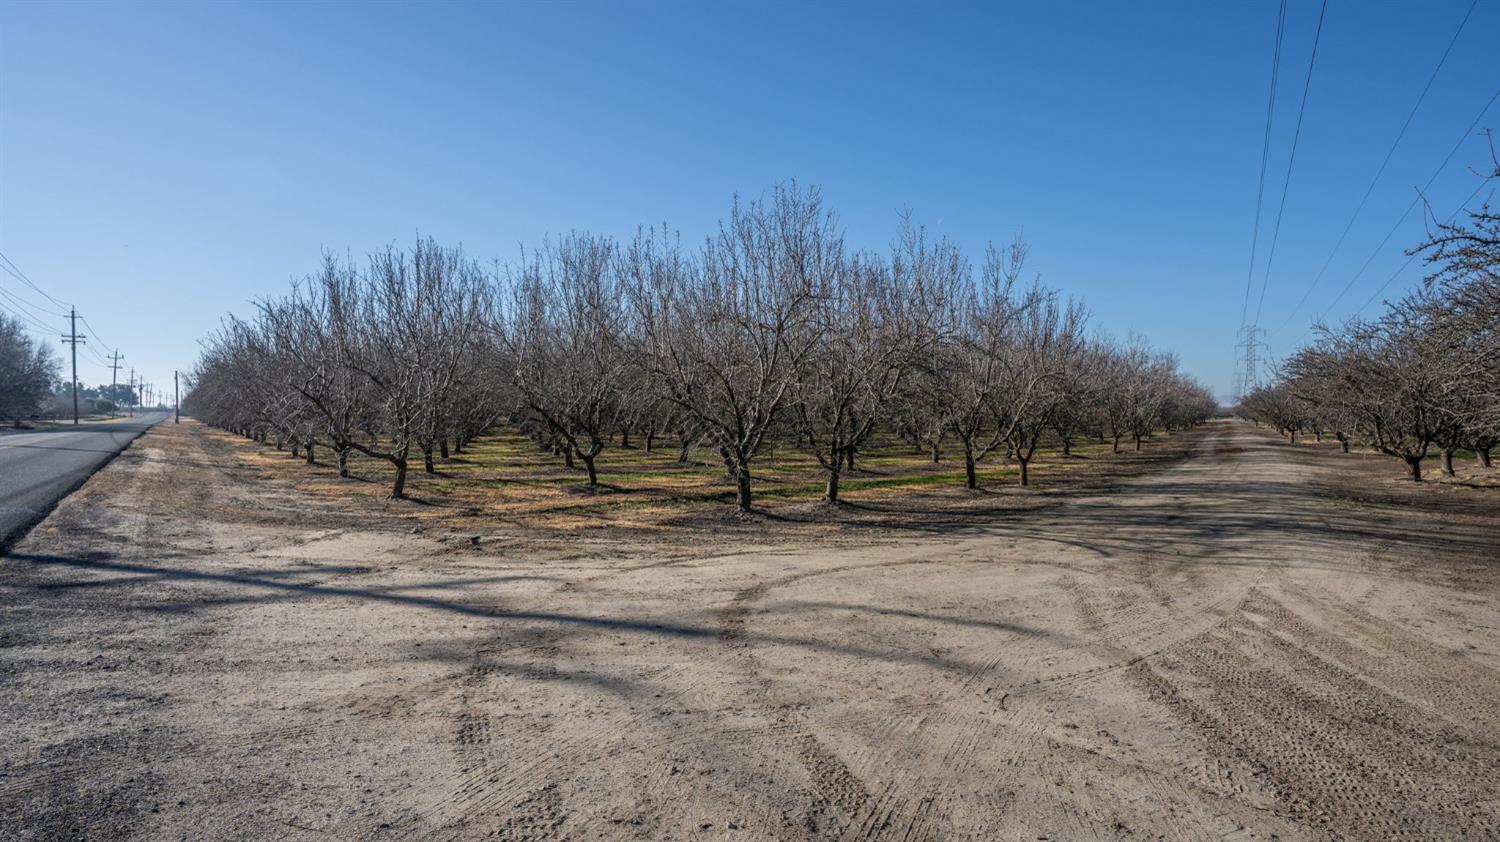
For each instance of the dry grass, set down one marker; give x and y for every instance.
(503, 478)
(1384, 470)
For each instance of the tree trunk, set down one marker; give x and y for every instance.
(1483, 455)
(567, 455)
(831, 493)
(1137, 441)
(588, 465)
(427, 460)
(650, 440)
(682, 452)
(742, 487)
(398, 489)
(443, 448)
(1414, 467)
(1448, 462)
(1117, 443)
(971, 477)
(849, 456)
(309, 452)
(1067, 444)
(296, 450)
(1025, 463)
(937, 453)
(344, 462)
(1344, 443)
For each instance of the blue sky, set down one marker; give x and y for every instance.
(161, 165)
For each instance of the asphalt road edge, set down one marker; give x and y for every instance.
(14, 536)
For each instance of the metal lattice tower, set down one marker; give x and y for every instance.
(1253, 351)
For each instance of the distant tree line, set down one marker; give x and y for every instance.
(770, 331)
(1423, 376)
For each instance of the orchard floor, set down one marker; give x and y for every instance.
(1257, 641)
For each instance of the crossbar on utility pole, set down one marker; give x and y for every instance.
(73, 338)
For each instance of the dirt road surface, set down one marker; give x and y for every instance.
(1261, 642)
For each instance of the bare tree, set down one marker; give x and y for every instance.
(727, 339)
(877, 321)
(563, 332)
(1035, 370)
(971, 374)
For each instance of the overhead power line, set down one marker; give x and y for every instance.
(95, 332)
(1291, 162)
(1383, 164)
(1409, 208)
(29, 312)
(1451, 217)
(1265, 156)
(11, 267)
(30, 305)
(26, 306)
(20, 314)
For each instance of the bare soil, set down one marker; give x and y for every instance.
(1257, 641)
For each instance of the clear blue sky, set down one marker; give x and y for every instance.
(161, 165)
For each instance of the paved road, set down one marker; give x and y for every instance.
(38, 469)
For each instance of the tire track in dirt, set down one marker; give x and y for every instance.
(1338, 752)
(1463, 692)
(906, 803)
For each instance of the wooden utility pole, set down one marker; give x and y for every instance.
(132, 393)
(73, 338)
(114, 379)
(176, 400)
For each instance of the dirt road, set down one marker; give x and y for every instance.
(1262, 641)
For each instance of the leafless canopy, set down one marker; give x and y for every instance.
(770, 332)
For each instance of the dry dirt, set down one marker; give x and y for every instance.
(1260, 641)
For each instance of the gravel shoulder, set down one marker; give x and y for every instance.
(1260, 640)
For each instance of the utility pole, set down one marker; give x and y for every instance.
(114, 379)
(73, 338)
(176, 400)
(132, 393)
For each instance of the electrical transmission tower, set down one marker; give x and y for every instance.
(1253, 351)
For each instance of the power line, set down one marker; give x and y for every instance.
(1383, 164)
(16, 272)
(25, 318)
(1451, 217)
(1265, 156)
(11, 267)
(96, 332)
(1394, 228)
(1287, 183)
(94, 352)
(29, 304)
